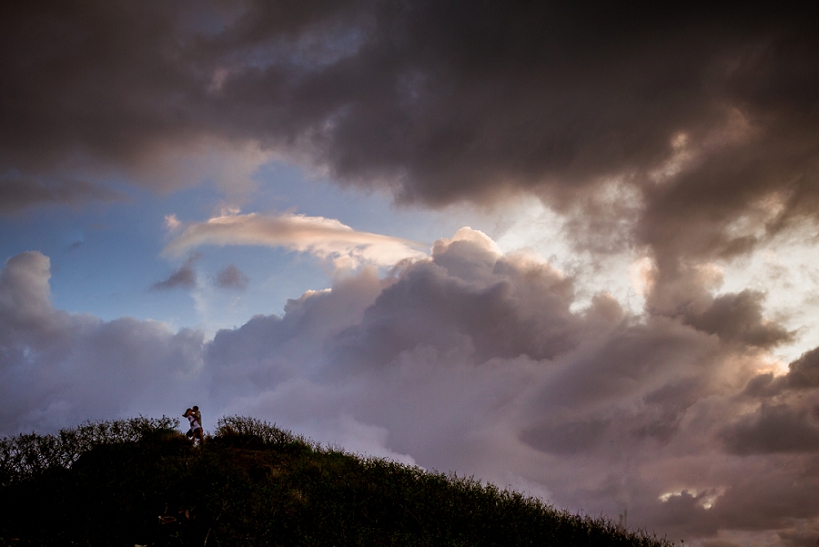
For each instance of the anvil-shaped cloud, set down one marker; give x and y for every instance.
(325, 238)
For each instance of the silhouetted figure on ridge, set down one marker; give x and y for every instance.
(198, 416)
(195, 432)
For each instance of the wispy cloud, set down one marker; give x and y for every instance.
(325, 238)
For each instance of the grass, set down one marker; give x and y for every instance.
(139, 482)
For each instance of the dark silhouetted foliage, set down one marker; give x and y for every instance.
(138, 482)
(25, 455)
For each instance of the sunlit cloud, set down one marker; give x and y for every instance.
(324, 238)
(171, 222)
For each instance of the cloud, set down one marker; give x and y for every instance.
(325, 238)
(471, 360)
(18, 193)
(597, 408)
(567, 438)
(468, 293)
(739, 317)
(687, 290)
(184, 277)
(802, 376)
(231, 277)
(804, 372)
(57, 368)
(701, 121)
(776, 428)
(686, 134)
(171, 222)
(25, 293)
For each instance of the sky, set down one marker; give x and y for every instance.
(569, 248)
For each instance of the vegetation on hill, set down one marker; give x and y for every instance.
(140, 482)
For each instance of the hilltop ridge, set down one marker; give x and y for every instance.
(140, 482)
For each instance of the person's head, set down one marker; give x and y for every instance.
(195, 409)
(185, 415)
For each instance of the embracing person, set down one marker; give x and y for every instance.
(195, 432)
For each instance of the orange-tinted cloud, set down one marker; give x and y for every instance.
(325, 238)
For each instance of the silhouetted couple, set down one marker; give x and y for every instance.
(195, 418)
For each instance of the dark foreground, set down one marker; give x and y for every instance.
(138, 482)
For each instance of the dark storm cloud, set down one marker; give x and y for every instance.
(667, 406)
(738, 317)
(18, 193)
(804, 372)
(773, 429)
(769, 496)
(803, 375)
(685, 291)
(184, 277)
(686, 507)
(704, 111)
(567, 438)
(231, 277)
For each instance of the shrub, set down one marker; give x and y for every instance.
(29, 454)
(245, 430)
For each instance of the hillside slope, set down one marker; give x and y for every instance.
(139, 482)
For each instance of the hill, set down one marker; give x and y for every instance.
(140, 482)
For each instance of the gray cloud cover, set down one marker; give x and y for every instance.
(702, 114)
(18, 193)
(592, 408)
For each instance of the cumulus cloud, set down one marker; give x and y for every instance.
(25, 295)
(599, 410)
(325, 238)
(470, 360)
(57, 368)
(469, 293)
